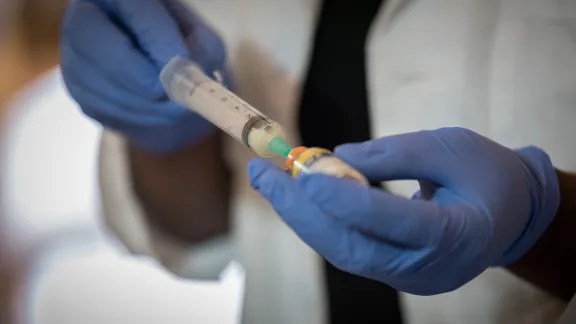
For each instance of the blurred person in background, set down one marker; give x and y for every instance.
(171, 182)
(29, 32)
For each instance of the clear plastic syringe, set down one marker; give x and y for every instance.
(187, 85)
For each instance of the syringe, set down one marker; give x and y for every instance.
(186, 84)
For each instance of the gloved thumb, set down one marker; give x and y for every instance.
(411, 156)
(206, 47)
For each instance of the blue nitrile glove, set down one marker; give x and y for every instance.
(487, 207)
(112, 55)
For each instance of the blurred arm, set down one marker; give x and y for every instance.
(185, 194)
(549, 264)
(174, 208)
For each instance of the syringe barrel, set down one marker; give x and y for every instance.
(186, 84)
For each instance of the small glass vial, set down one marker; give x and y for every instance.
(303, 160)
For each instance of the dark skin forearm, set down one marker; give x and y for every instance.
(551, 263)
(185, 194)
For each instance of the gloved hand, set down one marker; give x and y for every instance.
(112, 54)
(486, 205)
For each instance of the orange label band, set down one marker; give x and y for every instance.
(293, 155)
(306, 158)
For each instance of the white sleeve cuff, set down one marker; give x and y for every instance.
(125, 217)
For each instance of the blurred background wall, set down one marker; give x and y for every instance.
(29, 48)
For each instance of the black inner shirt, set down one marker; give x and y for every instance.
(334, 110)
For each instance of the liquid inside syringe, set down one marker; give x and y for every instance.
(186, 84)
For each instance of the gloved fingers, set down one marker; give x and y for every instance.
(110, 122)
(76, 68)
(281, 190)
(152, 26)
(169, 138)
(420, 155)
(209, 52)
(205, 46)
(89, 33)
(401, 221)
(112, 114)
(99, 85)
(341, 246)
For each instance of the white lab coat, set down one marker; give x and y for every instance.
(504, 68)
